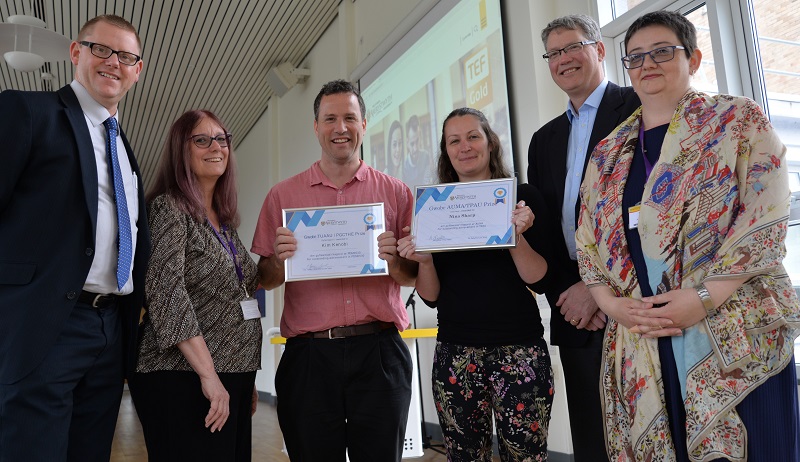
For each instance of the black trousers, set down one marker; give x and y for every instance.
(172, 409)
(66, 409)
(351, 393)
(582, 377)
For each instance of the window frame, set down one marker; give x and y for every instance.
(737, 59)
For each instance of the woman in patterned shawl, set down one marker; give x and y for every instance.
(200, 347)
(681, 240)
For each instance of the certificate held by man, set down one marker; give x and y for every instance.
(460, 216)
(335, 242)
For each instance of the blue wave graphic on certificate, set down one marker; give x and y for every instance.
(424, 194)
(506, 239)
(369, 269)
(293, 219)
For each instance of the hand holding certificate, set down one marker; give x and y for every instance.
(457, 216)
(335, 242)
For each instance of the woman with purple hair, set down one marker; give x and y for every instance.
(194, 387)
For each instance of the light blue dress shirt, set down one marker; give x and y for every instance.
(581, 125)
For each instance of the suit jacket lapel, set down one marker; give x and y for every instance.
(83, 141)
(608, 117)
(135, 169)
(559, 154)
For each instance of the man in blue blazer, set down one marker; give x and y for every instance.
(71, 269)
(557, 159)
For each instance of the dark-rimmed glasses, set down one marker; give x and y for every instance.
(104, 52)
(204, 141)
(658, 55)
(570, 49)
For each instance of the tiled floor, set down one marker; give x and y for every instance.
(267, 441)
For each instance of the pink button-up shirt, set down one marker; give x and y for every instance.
(311, 306)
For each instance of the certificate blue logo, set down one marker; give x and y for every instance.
(500, 195)
(370, 220)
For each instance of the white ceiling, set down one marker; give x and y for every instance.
(210, 54)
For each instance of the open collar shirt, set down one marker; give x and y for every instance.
(317, 305)
(581, 125)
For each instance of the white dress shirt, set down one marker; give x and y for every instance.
(102, 278)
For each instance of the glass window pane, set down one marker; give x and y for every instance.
(620, 7)
(705, 79)
(778, 26)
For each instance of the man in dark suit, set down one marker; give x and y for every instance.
(557, 158)
(74, 244)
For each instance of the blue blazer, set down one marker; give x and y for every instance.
(547, 170)
(48, 221)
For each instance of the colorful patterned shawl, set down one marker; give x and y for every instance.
(715, 205)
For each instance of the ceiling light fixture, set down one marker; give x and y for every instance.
(26, 44)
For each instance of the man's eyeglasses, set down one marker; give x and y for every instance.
(659, 55)
(204, 141)
(570, 49)
(102, 51)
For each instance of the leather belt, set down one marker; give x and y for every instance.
(97, 300)
(349, 331)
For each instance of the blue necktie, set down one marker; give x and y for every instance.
(123, 219)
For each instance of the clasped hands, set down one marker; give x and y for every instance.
(662, 315)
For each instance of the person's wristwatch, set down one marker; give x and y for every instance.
(705, 297)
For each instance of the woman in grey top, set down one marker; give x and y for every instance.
(194, 388)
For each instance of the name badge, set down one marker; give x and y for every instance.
(250, 308)
(633, 216)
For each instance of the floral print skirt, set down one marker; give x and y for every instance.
(512, 382)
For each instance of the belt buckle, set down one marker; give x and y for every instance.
(331, 336)
(96, 300)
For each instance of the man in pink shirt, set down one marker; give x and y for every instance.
(344, 381)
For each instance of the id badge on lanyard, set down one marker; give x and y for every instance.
(249, 304)
(250, 308)
(633, 216)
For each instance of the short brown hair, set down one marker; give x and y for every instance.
(336, 87)
(112, 19)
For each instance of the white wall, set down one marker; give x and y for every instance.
(283, 143)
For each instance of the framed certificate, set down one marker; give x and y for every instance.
(335, 242)
(460, 216)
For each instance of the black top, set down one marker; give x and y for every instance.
(482, 299)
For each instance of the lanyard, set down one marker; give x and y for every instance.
(231, 249)
(648, 166)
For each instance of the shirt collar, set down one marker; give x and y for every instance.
(317, 177)
(95, 112)
(593, 100)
